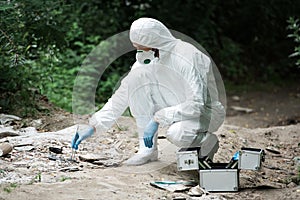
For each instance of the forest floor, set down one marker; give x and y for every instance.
(272, 124)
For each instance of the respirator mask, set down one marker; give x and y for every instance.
(145, 57)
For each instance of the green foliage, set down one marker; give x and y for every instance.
(10, 187)
(64, 178)
(44, 44)
(26, 27)
(294, 26)
(59, 69)
(230, 60)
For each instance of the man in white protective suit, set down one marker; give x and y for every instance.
(172, 85)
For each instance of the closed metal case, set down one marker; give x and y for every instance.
(187, 159)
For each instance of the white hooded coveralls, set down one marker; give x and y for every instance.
(178, 89)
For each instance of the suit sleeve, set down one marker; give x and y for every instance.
(194, 104)
(103, 119)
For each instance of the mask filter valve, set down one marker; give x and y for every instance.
(144, 57)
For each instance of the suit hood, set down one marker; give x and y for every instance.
(152, 33)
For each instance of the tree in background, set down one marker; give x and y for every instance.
(43, 43)
(27, 30)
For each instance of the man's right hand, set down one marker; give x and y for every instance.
(81, 135)
(149, 132)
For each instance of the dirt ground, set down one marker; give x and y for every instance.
(272, 125)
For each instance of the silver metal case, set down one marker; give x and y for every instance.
(187, 159)
(219, 179)
(250, 158)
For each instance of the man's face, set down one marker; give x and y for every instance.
(140, 47)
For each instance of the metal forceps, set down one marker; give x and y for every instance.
(73, 150)
(73, 155)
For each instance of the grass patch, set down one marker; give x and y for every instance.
(64, 178)
(10, 187)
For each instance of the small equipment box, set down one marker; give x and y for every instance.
(219, 178)
(187, 159)
(251, 158)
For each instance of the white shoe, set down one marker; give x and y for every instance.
(145, 154)
(142, 158)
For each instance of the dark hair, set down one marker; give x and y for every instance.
(156, 52)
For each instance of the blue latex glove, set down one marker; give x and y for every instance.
(80, 136)
(236, 156)
(149, 132)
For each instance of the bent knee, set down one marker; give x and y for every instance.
(180, 137)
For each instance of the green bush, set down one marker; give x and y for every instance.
(28, 29)
(43, 44)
